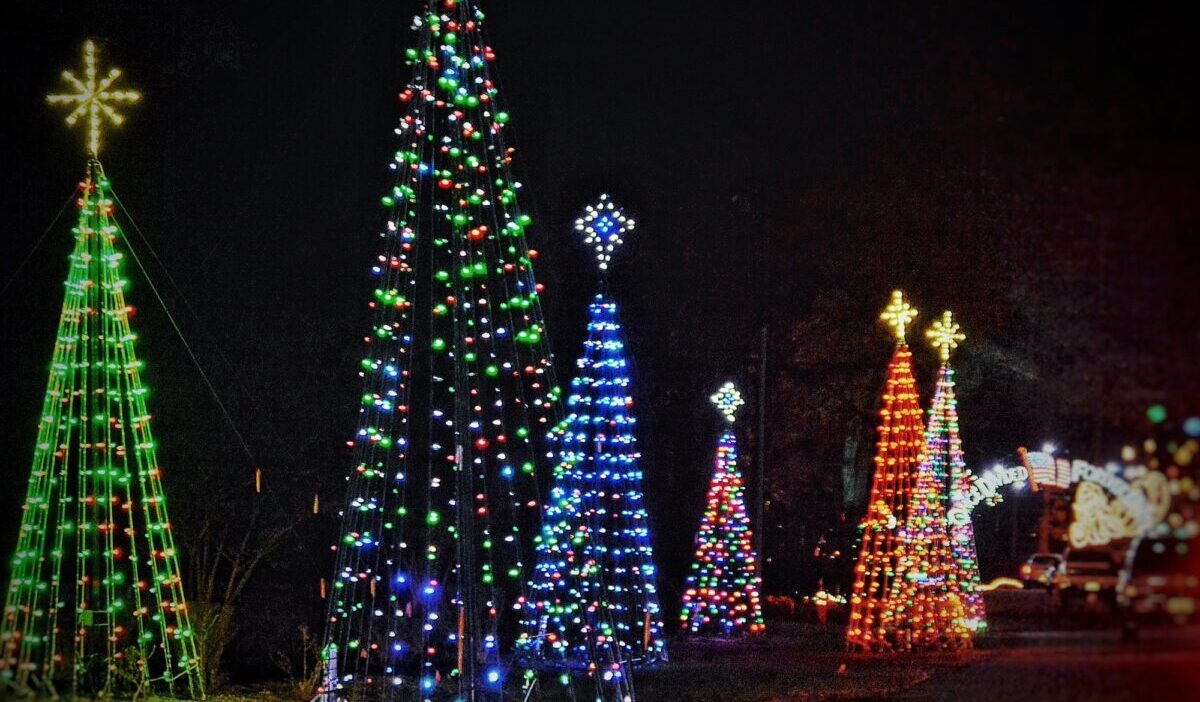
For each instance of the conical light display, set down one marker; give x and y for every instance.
(594, 605)
(443, 499)
(721, 597)
(95, 603)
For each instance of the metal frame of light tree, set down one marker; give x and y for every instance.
(899, 454)
(95, 600)
(721, 596)
(594, 600)
(443, 497)
(945, 450)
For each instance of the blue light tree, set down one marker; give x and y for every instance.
(593, 602)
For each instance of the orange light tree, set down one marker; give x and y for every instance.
(899, 454)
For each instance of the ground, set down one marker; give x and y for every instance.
(1074, 666)
(1031, 654)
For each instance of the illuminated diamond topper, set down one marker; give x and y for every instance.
(898, 315)
(602, 225)
(944, 335)
(728, 400)
(93, 97)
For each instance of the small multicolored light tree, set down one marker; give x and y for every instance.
(899, 454)
(721, 597)
(95, 603)
(594, 602)
(442, 504)
(945, 450)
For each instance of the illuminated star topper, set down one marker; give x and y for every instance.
(602, 225)
(898, 314)
(93, 97)
(728, 400)
(944, 335)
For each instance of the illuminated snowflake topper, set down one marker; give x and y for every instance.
(728, 400)
(93, 97)
(944, 335)
(602, 225)
(898, 315)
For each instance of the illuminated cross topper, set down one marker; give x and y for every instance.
(602, 225)
(728, 400)
(93, 97)
(898, 314)
(944, 335)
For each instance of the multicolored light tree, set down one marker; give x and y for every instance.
(594, 602)
(899, 454)
(945, 450)
(721, 596)
(95, 603)
(443, 498)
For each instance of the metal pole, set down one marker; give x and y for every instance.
(464, 518)
(760, 470)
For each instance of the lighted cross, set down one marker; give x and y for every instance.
(728, 400)
(944, 335)
(93, 97)
(898, 314)
(602, 225)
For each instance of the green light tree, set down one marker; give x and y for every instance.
(95, 602)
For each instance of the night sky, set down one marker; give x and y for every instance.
(1032, 168)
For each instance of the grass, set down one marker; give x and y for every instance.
(794, 663)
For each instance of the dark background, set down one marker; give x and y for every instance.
(1032, 167)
